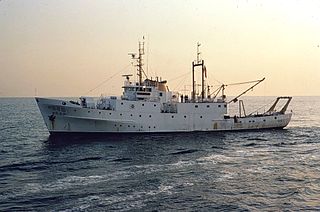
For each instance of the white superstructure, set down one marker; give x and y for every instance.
(149, 106)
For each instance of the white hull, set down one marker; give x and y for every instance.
(148, 117)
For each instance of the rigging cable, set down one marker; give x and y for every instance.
(103, 82)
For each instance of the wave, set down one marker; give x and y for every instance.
(184, 152)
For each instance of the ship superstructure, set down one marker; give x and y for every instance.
(148, 105)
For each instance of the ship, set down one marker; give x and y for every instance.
(148, 106)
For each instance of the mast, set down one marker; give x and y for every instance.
(140, 61)
(196, 63)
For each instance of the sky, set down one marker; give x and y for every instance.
(80, 47)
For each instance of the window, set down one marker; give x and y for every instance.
(160, 94)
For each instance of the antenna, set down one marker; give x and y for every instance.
(198, 52)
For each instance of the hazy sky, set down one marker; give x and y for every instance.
(67, 48)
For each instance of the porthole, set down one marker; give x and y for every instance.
(264, 120)
(185, 116)
(130, 114)
(99, 112)
(149, 116)
(208, 106)
(154, 127)
(139, 115)
(149, 127)
(154, 105)
(88, 111)
(275, 117)
(201, 117)
(121, 103)
(110, 114)
(128, 125)
(75, 110)
(120, 125)
(142, 105)
(172, 116)
(196, 106)
(64, 103)
(219, 105)
(120, 114)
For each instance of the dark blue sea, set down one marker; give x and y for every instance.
(271, 170)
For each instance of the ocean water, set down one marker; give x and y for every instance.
(234, 171)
